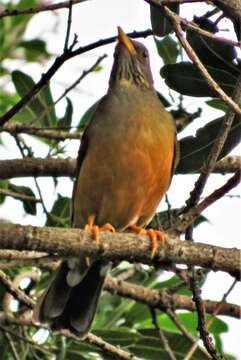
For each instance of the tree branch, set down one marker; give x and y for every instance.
(119, 246)
(114, 352)
(38, 8)
(66, 167)
(162, 299)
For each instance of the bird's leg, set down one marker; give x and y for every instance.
(153, 234)
(95, 229)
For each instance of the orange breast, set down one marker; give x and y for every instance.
(127, 168)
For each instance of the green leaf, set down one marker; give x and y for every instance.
(195, 149)
(161, 25)
(60, 212)
(34, 49)
(29, 206)
(146, 343)
(42, 106)
(217, 104)
(150, 347)
(211, 52)
(88, 115)
(65, 121)
(189, 319)
(186, 79)
(167, 49)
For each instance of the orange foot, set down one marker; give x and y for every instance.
(95, 229)
(153, 234)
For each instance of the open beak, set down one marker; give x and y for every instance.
(124, 40)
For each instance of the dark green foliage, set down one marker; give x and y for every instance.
(195, 150)
(161, 26)
(60, 212)
(185, 78)
(167, 49)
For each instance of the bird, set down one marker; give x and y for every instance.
(126, 160)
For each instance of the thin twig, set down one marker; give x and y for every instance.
(202, 326)
(18, 196)
(184, 331)
(162, 336)
(38, 8)
(15, 291)
(11, 344)
(66, 43)
(215, 312)
(187, 219)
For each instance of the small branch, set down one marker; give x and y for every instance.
(49, 133)
(184, 331)
(11, 344)
(219, 193)
(114, 352)
(26, 340)
(66, 43)
(18, 196)
(187, 219)
(215, 312)
(163, 338)
(38, 8)
(15, 291)
(202, 328)
(119, 246)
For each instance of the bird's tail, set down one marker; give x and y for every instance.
(71, 304)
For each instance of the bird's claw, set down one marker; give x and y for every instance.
(95, 229)
(153, 234)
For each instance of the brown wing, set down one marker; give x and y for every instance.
(81, 155)
(176, 158)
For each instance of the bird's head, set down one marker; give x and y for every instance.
(131, 63)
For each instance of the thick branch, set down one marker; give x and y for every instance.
(161, 299)
(119, 246)
(66, 167)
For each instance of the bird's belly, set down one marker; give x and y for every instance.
(122, 181)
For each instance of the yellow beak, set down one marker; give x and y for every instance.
(123, 39)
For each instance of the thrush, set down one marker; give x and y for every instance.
(125, 164)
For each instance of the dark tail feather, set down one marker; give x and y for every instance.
(73, 308)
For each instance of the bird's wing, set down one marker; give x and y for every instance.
(81, 155)
(176, 158)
